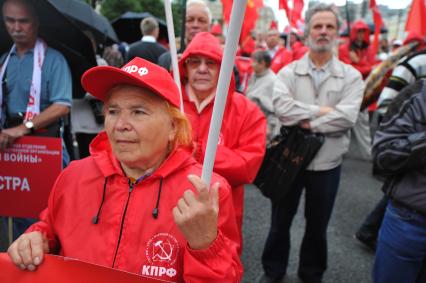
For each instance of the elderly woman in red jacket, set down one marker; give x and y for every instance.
(242, 138)
(136, 204)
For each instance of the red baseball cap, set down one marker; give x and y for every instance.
(138, 72)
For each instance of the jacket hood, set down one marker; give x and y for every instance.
(207, 45)
(107, 163)
(204, 44)
(360, 25)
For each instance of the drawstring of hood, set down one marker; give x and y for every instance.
(155, 211)
(95, 219)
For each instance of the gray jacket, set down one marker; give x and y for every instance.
(295, 99)
(399, 149)
(259, 90)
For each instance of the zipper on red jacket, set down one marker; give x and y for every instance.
(131, 185)
(197, 138)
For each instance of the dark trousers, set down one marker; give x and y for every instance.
(320, 193)
(84, 141)
(19, 226)
(369, 229)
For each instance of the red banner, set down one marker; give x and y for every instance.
(378, 22)
(28, 170)
(57, 269)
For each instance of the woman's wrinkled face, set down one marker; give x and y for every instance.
(138, 126)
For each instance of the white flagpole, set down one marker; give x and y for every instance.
(233, 34)
(172, 45)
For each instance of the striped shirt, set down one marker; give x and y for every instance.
(411, 69)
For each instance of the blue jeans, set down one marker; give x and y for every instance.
(320, 193)
(401, 248)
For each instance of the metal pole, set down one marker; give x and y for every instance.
(290, 20)
(172, 44)
(182, 30)
(348, 19)
(10, 229)
(232, 37)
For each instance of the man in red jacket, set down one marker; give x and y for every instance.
(297, 46)
(357, 51)
(279, 54)
(242, 138)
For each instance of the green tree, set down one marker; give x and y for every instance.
(112, 9)
(177, 16)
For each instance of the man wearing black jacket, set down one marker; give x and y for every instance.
(400, 154)
(147, 48)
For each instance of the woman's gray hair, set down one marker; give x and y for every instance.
(320, 7)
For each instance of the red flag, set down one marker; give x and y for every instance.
(293, 15)
(227, 7)
(296, 14)
(415, 19)
(283, 5)
(250, 16)
(378, 22)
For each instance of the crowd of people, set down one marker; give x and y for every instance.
(135, 193)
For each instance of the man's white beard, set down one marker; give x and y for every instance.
(321, 48)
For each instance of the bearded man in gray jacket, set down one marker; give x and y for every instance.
(320, 93)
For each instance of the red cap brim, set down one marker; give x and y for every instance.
(99, 80)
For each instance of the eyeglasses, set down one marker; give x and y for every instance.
(195, 62)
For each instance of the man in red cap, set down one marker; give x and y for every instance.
(136, 204)
(242, 138)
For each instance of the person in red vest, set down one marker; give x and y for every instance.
(357, 51)
(280, 55)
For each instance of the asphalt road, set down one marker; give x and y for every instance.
(348, 261)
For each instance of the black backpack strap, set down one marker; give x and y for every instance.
(5, 93)
(3, 58)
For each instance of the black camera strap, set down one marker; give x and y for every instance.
(4, 112)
